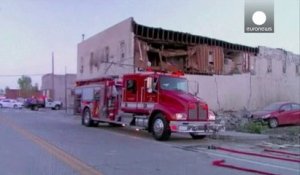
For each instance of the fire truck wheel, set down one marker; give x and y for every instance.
(114, 125)
(86, 118)
(194, 136)
(160, 128)
(35, 108)
(95, 123)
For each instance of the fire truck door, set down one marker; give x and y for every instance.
(130, 97)
(149, 98)
(98, 103)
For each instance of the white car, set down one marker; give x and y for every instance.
(10, 103)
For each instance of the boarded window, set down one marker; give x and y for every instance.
(246, 62)
(269, 66)
(211, 62)
(284, 66)
(81, 67)
(106, 53)
(211, 58)
(122, 49)
(298, 69)
(91, 62)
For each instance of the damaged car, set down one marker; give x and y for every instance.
(279, 113)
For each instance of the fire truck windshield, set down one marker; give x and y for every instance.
(173, 83)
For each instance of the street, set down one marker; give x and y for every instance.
(53, 142)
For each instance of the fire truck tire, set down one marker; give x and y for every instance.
(194, 136)
(160, 128)
(114, 125)
(34, 108)
(95, 123)
(86, 118)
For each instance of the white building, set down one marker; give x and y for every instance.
(59, 89)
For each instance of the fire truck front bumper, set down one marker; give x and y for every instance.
(201, 128)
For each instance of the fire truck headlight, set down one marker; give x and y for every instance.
(211, 115)
(180, 116)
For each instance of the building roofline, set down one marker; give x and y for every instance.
(169, 36)
(130, 19)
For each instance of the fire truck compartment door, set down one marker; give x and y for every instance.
(99, 109)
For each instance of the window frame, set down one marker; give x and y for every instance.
(281, 108)
(295, 104)
(133, 87)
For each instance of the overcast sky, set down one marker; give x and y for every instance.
(31, 29)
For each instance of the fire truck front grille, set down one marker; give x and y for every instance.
(202, 113)
(198, 113)
(193, 114)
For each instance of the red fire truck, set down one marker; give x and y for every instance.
(153, 101)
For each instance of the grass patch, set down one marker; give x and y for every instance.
(253, 127)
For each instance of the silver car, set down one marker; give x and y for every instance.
(10, 103)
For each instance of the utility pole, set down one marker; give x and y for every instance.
(53, 76)
(66, 104)
(82, 37)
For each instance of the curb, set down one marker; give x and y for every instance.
(240, 136)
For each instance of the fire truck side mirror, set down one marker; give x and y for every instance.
(149, 84)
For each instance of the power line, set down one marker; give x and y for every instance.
(18, 75)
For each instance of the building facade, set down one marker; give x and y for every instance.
(18, 93)
(274, 77)
(63, 85)
(231, 76)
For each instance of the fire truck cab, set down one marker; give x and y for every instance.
(157, 102)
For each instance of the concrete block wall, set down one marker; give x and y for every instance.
(223, 92)
(253, 91)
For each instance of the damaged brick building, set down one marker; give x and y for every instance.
(171, 50)
(230, 75)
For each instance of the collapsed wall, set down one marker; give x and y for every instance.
(170, 50)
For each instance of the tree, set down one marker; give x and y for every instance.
(2, 92)
(25, 83)
(6, 88)
(35, 88)
(25, 86)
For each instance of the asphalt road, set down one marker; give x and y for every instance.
(51, 142)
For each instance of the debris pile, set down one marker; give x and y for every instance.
(233, 120)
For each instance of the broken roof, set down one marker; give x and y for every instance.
(168, 36)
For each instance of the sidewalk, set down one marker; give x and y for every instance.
(240, 136)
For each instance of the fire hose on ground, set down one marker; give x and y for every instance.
(221, 163)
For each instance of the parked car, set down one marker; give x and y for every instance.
(35, 103)
(10, 103)
(279, 113)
